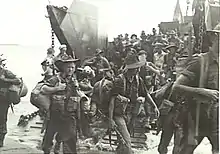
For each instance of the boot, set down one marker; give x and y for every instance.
(2, 137)
(1, 143)
(57, 148)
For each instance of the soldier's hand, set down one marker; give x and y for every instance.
(141, 100)
(112, 124)
(91, 114)
(61, 86)
(212, 94)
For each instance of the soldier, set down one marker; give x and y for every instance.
(168, 123)
(127, 95)
(159, 56)
(47, 64)
(100, 63)
(100, 102)
(159, 39)
(200, 83)
(173, 39)
(147, 73)
(63, 89)
(7, 78)
(63, 52)
(171, 60)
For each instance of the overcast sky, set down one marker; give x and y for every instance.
(24, 21)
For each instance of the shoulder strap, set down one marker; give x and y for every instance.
(101, 82)
(58, 78)
(124, 83)
(204, 63)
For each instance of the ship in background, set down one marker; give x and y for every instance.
(77, 27)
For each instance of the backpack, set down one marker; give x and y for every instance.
(38, 99)
(15, 92)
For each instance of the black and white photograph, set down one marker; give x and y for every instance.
(109, 76)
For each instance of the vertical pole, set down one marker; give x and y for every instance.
(190, 51)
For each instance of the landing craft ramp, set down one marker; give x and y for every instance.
(77, 27)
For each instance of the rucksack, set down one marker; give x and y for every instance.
(38, 99)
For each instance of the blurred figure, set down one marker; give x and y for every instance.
(159, 56)
(7, 79)
(47, 64)
(100, 64)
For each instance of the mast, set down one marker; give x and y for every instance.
(187, 8)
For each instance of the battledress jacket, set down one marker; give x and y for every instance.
(66, 101)
(132, 90)
(4, 73)
(202, 72)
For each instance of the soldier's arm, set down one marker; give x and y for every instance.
(152, 68)
(94, 100)
(50, 87)
(144, 92)
(106, 63)
(182, 86)
(111, 107)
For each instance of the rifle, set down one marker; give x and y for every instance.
(121, 139)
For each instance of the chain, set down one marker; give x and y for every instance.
(24, 119)
(201, 29)
(52, 38)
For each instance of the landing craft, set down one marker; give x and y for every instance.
(77, 27)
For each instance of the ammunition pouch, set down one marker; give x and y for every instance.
(58, 102)
(121, 104)
(73, 104)
(165, 107)
(61, 104)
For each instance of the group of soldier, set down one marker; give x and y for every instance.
(135, 75)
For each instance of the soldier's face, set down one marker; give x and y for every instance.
(69, 68)
(142, 57)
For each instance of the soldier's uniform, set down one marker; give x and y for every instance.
(126, 106)
(208, 118)
(63, 117)
(4, 102)
(64, 112)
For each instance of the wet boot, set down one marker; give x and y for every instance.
(57, 148)
(147, 126)
(2, 137)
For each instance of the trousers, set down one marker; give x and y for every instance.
(208, 127)
(3, 120)
(66, 128)
(120, 121)
(168, 130)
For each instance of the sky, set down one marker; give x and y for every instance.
(24, 22)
